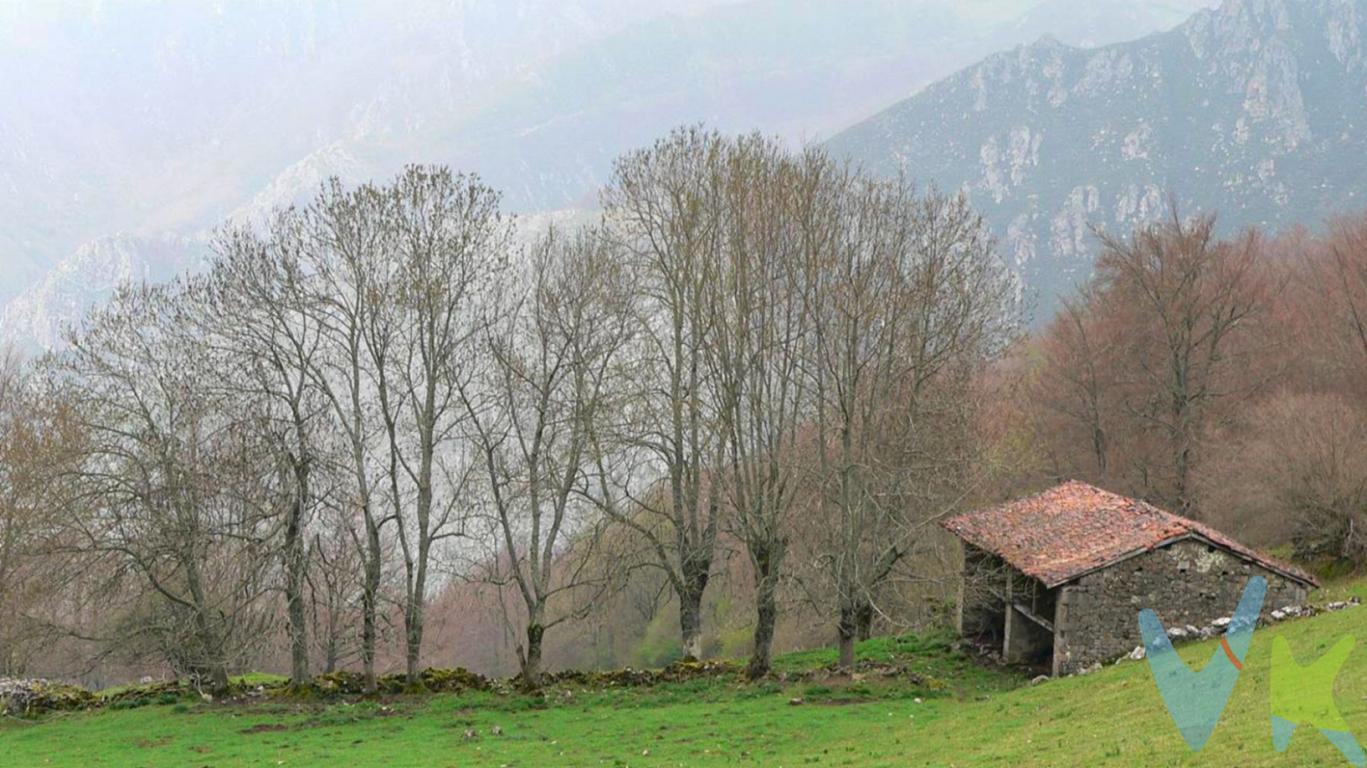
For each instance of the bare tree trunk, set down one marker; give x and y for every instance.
(531, 659)
(210, 643)
(370, 595)
(295, 568)
(218, 678)
(848, 631)
(690, 614)
(413, 622)
(767, 560)
(330, 656)
(417, 587)
(766, 613)
(296, 573)
(863, 618)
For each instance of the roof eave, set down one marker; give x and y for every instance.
(1305, 579)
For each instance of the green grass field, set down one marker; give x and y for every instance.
(958, 714)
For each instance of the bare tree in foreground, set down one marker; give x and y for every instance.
(449, 244)
(755, 360)
(168, 495)
(553, 359)
(253, 311)
(345, 248)
(907, 301)
(665, 205)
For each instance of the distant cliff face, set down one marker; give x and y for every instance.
(36, 319)
(1257, 109)
(151, 119)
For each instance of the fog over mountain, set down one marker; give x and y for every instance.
(1256, 109)
(129, 130)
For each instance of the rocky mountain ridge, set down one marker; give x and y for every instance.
(141, 120)
(1256, 109)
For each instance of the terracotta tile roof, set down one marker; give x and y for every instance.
(1075, 528)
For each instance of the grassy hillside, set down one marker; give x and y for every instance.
(947, 712)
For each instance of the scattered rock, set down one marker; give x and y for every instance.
(21, 698)
(1222, 624)
(453, 680)
(678, 672)
(264, 728)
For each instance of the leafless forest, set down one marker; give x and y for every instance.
(383, 433)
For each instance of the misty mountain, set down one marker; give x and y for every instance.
(36, 318)
(144, 117)
(154, 119)
(1256, 109)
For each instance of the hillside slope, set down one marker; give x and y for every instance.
(1256, 109)
(954, 714)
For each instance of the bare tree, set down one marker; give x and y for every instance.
(333, 583)
(754, 357)
(1296, 474)
(169, 492)
(664, 204)
(38, 443)
(1192, 292)
(253, 310)
(449, 244)
(906, 301)
(347, 250)
(1078, 381)
(553, 359)
(1338, 315)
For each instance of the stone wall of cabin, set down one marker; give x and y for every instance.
(1185, 583)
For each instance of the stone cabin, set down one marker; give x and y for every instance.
(1058, 578)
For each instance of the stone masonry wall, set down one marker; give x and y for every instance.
(1186, 582)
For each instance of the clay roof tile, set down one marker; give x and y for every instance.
(1075, 528)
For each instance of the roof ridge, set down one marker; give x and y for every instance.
(1073, 528)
